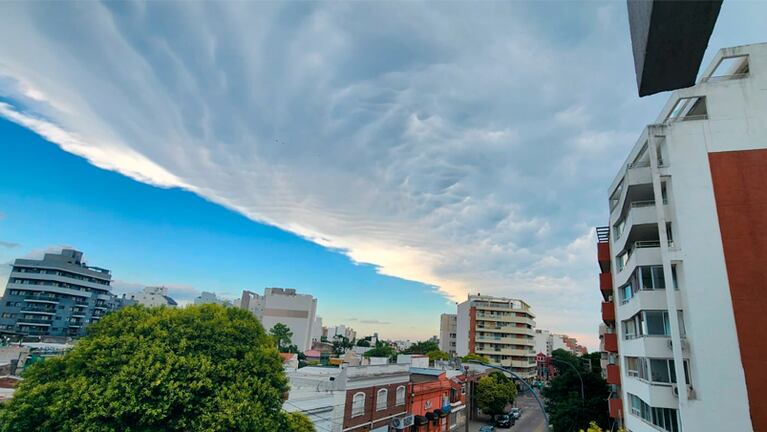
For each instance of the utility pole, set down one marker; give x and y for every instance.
(467, 396)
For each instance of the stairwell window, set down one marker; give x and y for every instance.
(381, 400)
(358, 404)
(400, 396)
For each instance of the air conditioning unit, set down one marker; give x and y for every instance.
(675, 390)
(690, 391)
(403, 422)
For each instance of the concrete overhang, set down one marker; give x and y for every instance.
(669, 39)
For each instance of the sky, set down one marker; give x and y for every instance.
(388, 158)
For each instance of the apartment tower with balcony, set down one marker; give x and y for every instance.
(499, 328)
(684, 259)
(55, 296)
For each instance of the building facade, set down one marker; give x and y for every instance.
(448, 327)
(683, 259)
(58, 295)
(153, 297)
(437, 402)
(286, 306)
(499, 328)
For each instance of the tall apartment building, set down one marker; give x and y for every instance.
(55, 296)
(542, 339)
(499, 328)
(684, 259)
(286, 306)
(448, 327)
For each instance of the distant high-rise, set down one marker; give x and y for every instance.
(499, 328)
(154, 296)
(55, 296)
(447, 333)
(286, 306)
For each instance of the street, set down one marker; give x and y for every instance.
(532, 419)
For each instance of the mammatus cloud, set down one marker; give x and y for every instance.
(465, 147)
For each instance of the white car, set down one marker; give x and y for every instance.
(516, 413)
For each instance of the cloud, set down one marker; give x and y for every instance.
(8, 245)
(369, 321)
(467, 147)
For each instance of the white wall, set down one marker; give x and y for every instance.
(462, 329)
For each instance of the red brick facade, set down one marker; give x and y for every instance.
(372, 418)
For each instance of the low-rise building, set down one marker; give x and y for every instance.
(437, 402)
(361, 398)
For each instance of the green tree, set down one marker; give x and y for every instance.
(494, 392)
(567, 410)
(438, 355)
(594, 427)
(475, 357)
(381, 350)
(422, 347)
(200, 368)
(282, 336)
(363, 343)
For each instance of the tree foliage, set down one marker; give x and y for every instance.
(381, 350)
(475, 357)
(363, 343)
(200, 368)
(422, 347)
(282, 337)
(567, 411)
(438, 355)
(494, 392)
(594, 427)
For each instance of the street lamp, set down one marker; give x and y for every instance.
(540, 403)
(583, 397)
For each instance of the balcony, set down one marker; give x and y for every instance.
(606, 285)
(34, 321)
(616, 408)
(608, 312)
(613, 374)
(41, 299)
(641, 253)
(32, 309)
(611, 342)
(603, 256)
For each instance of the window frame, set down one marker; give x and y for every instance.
(382, 395)
(358, 409)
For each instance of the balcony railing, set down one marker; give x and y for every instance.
(42, 297)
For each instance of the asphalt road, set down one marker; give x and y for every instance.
(532, 419)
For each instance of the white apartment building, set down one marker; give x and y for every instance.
(286, 306)
(206, 297)
(500, 328)
(543, 341)
(684, 259)
(153, 297)
(448, 327)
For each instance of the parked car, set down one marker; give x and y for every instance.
(516, 413)
(486, 428)
(504, 421)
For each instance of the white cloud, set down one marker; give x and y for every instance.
(464, 146)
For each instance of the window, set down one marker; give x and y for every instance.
(626, 292)
(400, 396)
(689, 108)
(657, 323)
(662, 370)
(358, 404)
(381, 399)
(652, 277)
(664, 418)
